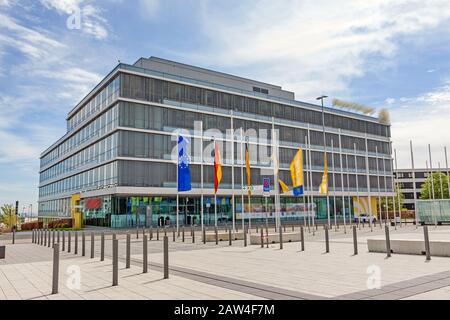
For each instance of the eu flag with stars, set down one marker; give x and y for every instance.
(184, 172)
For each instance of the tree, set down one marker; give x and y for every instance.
(427, 192)
(399, 196)
(8, 215)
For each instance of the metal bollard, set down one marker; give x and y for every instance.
(355, 241)
(151, 233)
(267, 236)
(281, 237)
(204, 235)
(115, 258)
(245, 235)
(42, 236)
(83, 244)
(145, 255)
(128, 247)
(302, 238)
(230, 239)
(92, 245)
(262, 238)
(173, 235)
(114, 236)
(14, 237)
(427, 243)
(293, 228)
(327, 241)
(69, 242)
(57, 236)
(157, 234)
(217, 235)
(76, 243)
(143, 231)
(49, 238)
(63, 240)
(284, 228)
(388, 242)
(45, 237)
(55, 268)
(32, 236)
(193, 235)
(102, 247)
(182, 234)
(137, 232)
(166, 258)
(165, 231)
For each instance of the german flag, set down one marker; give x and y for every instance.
(217, 168)
(247, 168)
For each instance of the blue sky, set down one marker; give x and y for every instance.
(392, 54)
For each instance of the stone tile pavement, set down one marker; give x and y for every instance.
(208, 271)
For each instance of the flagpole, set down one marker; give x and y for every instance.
(398, 198)
(378, 181)
(178, 196)
(202, 213)
(307, 181)
(334, 185)
(369, 198)
(233, 206)
(242, 184)
(308, 175)
(311, 174)
(215, 191)
(446, 167)
(385, 190)
(276, 186)
(247, 141)
(350, 220)
(342, 182)
(431, 170)
(440, 180)
(357, 182)
(414, 181)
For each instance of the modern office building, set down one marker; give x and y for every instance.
(114, 165)
(405, 178)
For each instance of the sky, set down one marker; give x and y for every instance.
(384, 54)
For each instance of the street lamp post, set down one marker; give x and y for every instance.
(325, 155)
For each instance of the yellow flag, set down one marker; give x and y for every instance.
(297, 169)
(324, 185)
(283, 186)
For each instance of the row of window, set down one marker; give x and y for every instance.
(155, 146)
(91, 179)
(164, 119)
(59, 207)
(98, 127)
(137, 87)
(95, 104)
(103, 150)
(145, 174)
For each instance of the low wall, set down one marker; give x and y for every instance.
(275, 237)
(410, 246)
(223, 236)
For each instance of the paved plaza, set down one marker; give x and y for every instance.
(208, 271)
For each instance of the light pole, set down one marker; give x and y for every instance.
(325, 156)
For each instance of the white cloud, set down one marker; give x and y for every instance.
(424, 120)
(92, 21)
(312, 46)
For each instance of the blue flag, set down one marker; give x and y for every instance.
(184, 172)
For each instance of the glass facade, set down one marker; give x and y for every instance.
(122, 138)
